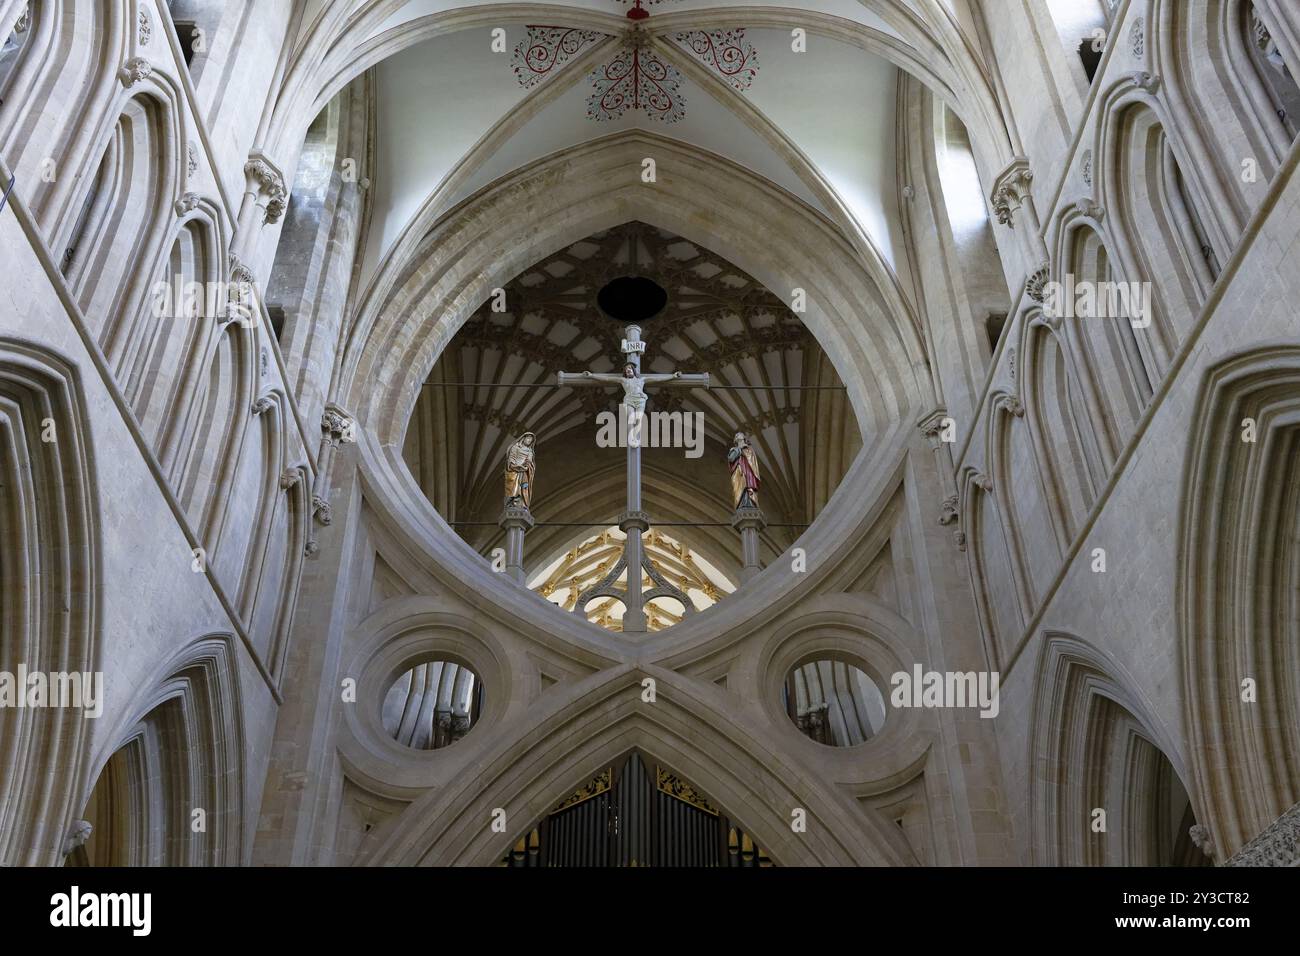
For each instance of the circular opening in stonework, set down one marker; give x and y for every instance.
(433, 705)
(833, 703)
(632, 298)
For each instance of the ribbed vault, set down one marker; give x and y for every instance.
(718, 320)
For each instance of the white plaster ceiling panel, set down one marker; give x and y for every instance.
(423, 8)
(848, 9)
(707, 124)
(837, 104)
(435, 101)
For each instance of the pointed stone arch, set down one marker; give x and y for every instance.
(1072, 471)
(452, 826)
(181, 751)
(1236, 594)
(49, 593)
(551, 203)
(61, 93)
(1092, 748)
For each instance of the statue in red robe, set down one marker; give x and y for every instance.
(744, 473)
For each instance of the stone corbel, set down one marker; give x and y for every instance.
(321, 511)
(134, 70)
(1147, 82)
(1011, 189)
(932, 426)
(1014, 405)
(336, 425)
(948, 510)
(266, 184)
(243, 280)
(1036, 283)
(77, 837)
(290, 477)
(187, 204)
(263, 405)
(1091, 209)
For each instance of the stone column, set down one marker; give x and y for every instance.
(337, 426)
(933, 427)
(634, 524)
(517, 522)
(264, 203)
(1013, 204)
(750, 522)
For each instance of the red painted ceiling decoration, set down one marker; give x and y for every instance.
(547, 48)
(636, 78)
(726, 51)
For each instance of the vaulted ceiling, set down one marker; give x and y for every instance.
(718, 320)
(453, 115)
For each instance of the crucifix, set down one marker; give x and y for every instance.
(634, 521)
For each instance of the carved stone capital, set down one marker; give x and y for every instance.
(1091, 209)
(959, 539)
(187, 204)
(1036, 284)
(321, 511)
(948, 510)
(1014, 405)
(134, 70)
(264, 180)
(263, 405)
(515, 516)
(932, 425)
(1146, 81)
(981, 481)
(77, 836)
(746, 518)
(336, 425)
(1011, 189)
(640, 520)
(1201, 839)
(239, 272)
(290, 477)
(311, 548)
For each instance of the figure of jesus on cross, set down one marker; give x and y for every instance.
(634, 521)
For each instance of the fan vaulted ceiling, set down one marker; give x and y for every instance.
(718, 320)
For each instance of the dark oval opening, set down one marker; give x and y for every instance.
(632, 299)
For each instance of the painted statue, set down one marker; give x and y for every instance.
(744, 472)
(633, 384)
(521, 465)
